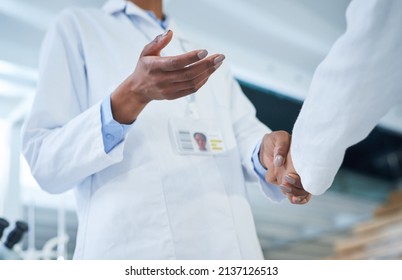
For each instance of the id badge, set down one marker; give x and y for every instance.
(196, 137)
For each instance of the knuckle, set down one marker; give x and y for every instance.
(149, 65)
(174, 63)
(284, 134)
(188, 75)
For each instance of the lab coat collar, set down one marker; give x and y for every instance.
(114, 6)
(128, 7)
(118, 6)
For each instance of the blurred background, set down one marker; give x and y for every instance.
(273, 48)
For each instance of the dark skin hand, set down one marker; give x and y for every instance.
(158, 78)
(275, 156)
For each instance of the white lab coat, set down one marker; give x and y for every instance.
(356, 84)
(142, 200)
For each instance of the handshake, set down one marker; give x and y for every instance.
(275, 156)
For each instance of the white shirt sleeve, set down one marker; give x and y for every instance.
(356, 84)
(62, 138)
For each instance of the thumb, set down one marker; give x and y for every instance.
(154, 48)
(281, 148)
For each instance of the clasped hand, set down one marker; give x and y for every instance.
(275, 156)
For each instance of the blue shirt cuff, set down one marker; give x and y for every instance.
(113, 132)
(258, 168)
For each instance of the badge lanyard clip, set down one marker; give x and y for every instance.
(192, 107)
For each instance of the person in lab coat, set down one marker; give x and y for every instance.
(356, 84)
(122, 139)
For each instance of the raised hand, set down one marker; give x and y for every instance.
(157, 78)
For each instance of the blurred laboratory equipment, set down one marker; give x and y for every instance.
(3, 225)
(7, 251)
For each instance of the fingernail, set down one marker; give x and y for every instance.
(219, 59)
(160, 36)
(290, 179)
(286, 189)
(202, 54)
(165, 33)
(278, 160)
(297, 199)
(217, 65)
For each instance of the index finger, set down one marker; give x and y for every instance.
(174, 63)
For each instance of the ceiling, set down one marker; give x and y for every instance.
(275, 45)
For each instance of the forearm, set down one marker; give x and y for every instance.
(352, 89)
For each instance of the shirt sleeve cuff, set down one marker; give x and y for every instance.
(113, 132)
(258, 168)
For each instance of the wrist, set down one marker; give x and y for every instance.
(135, 94)
(126, 105)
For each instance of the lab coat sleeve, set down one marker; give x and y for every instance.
(62, 138)
(248, 129)
(249, 132)
(356, 84)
